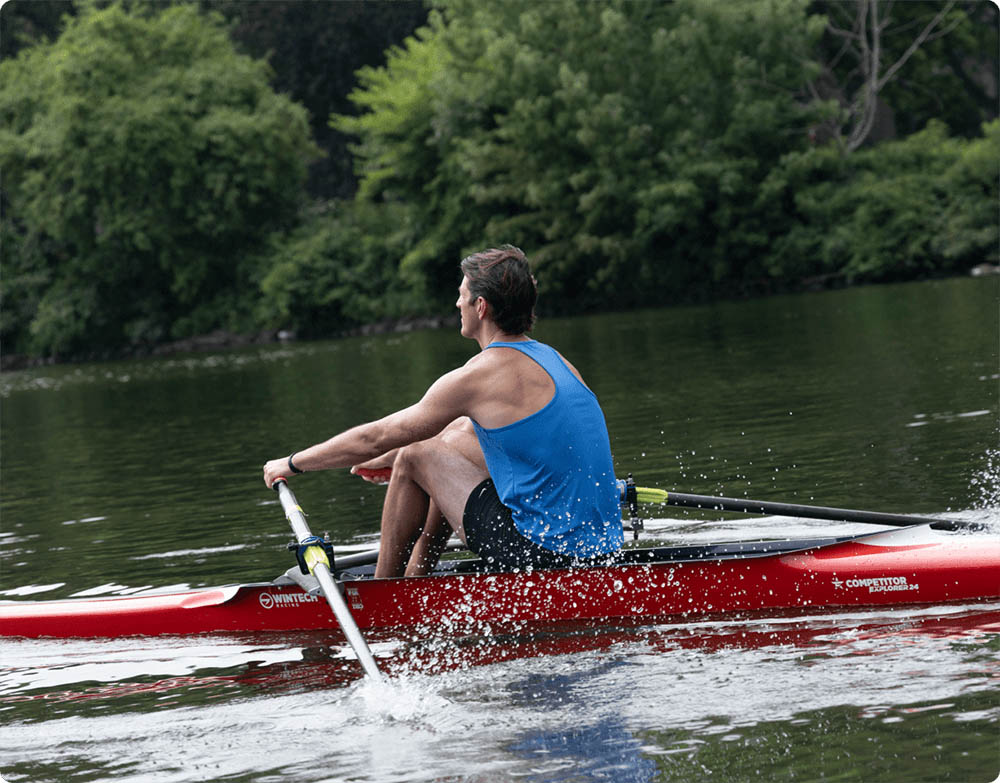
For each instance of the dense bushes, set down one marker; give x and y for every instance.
(337, 270)
(920, 206)
(620, 143)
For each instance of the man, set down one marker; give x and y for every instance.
(511, 449)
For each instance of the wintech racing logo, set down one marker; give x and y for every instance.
(285, 600)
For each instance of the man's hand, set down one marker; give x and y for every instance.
(276, 469)
(377, 470)
(373, 475)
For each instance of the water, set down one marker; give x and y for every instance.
(873, 697)
(122, 476)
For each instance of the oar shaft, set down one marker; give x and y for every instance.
(647, 495)
(806, 512)
(293, 512)
(300, 528)
(346, 620)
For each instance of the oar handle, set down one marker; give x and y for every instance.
(374, 475)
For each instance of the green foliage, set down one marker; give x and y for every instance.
(968, 231)
(408, 133)
(644, 152)
(314, 49)
(335, 271)
(144, 162)
(921, 206)
(620, 143)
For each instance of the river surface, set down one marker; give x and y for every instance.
(126, 476)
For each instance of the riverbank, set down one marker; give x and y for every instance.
(221, 339)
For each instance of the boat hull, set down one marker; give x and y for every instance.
(894, 568)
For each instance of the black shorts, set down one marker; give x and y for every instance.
(490, 533)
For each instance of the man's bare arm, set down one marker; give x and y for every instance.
(446, 400)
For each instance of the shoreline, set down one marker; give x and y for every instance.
(220, 340)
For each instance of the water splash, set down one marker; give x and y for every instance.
(406, 699)
(985, 483)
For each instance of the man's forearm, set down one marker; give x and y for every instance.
(355, 445)
(358, 444)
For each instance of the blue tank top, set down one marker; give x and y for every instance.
(553, 469)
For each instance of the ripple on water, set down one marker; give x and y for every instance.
(923, 419)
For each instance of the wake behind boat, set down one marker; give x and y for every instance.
(908, 566)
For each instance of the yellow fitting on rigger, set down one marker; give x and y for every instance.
(649, 495)
(315, 555)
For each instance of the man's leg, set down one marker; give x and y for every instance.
(444, 469)
(430, 544)
(433, 539)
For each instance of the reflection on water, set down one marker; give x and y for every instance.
(608, 751)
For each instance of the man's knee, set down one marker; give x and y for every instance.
(462, 439)
(410, 457)
(459, 429)
(457, 435)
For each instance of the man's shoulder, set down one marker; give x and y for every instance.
(492, 369)
(484, 363)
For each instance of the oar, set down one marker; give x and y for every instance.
(648, 495)
(319, 565)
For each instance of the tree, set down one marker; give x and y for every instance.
(314, 49)
(620, 143)
(27, 22)
(145, 162)
(337, 271)
(921, 206)
(894, 64)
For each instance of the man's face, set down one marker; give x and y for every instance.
(467, 307)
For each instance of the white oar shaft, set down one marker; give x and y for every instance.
(347, 624)
(293, 512)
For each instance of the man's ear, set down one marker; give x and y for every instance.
(482, 307)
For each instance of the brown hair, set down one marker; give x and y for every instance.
(503, 278)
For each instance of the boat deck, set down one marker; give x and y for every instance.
(347, 567)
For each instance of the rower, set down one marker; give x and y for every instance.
(511, 450)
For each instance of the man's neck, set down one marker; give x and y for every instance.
(488, 337)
